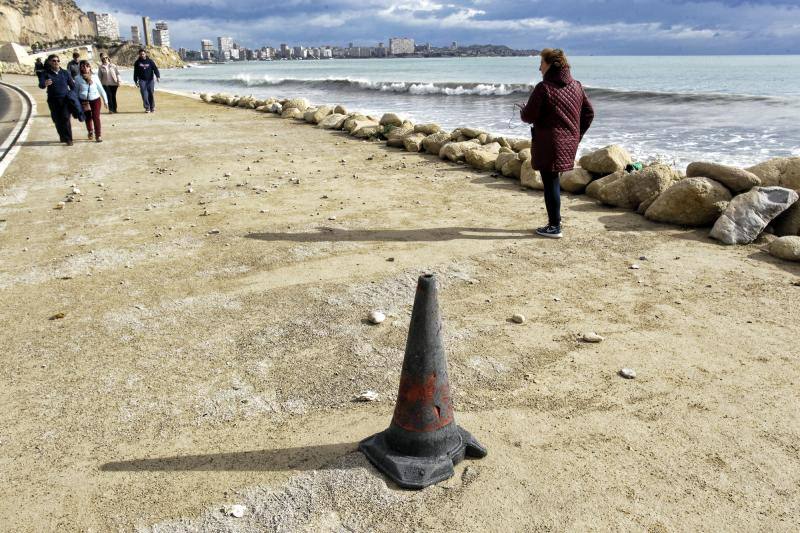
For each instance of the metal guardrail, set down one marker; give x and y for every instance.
(11, 140)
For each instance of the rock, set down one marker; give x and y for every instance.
(296, 103)
(60, 205)
(505, 144)
(749, 213)
(351, 120)
(320, 113)
(413, 142)
(512, 168)
(525, 154)
(690, 202)
(236, 511)
(530, 178)
(333, 122)
(606, 160)
(518, 318)
(292, 112)
(787, 248)
(627, 373)
(483, 157)
(276, 108)
(735, 179)
(434, 142)
(396, 135)
(519, 144)
(471, 133)
(592, 337)
(504, 157)
(205, 97)
(364, 129)
(391, 119)
(456, 151)
(637, 190)
(263, 109)
(340, 110)
(483, 138)
(213, 232)
(634, 267)
(593, 189)
(247, 102)
(308, 114)
(376, 317)
(780, 171)
(788, 222)
(427, 129)
(575, 180)
(367, 396)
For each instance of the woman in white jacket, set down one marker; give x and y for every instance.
(109, 79)
(91, 94)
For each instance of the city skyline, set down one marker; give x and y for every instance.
(605, 27)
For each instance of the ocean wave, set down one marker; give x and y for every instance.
(244, 80)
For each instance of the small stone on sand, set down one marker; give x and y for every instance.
(628, 373)
(366, 396)
(518, 318)
(592, 337)
(376, 317)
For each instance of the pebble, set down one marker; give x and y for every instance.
(628, 373)
(592, 337)
(366, 396)
(635, 267)
(642, 258)
(213, 232)
(226, 175)
(60, 205)
(236, 511)
(332, 217)
(518, 318)
(189, 190)
(376, 317)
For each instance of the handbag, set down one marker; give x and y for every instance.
(86, 105)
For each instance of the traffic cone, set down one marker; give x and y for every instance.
(423, 441)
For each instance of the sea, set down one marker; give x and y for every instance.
(737, 110)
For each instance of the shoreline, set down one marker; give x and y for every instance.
(215, 271)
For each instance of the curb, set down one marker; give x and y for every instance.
(10, 146)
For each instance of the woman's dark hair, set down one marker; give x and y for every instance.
(555, 57)
(84, 63)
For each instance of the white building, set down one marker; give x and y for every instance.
(161, 34)
(400, 46)
(105, 25)
(224, 45)
(299, 52)
(206, 49)
(135, 38)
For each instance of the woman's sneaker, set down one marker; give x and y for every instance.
(91, 135)
(551, 232)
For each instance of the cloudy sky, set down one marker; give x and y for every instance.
(579, 26)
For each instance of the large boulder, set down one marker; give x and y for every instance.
(308, 115)
(637, 190)
(205, 97)
(787, 248)
(365, 129)
(606, 160)
(340, 110)
(396, 135)
(504, 157)
(457, 151)
(351, 120)
(483, 157)
(247, 102)
(276, 108)
(690, 202)
(530, 178)
(519, 144)
(749, 213)
(575, 180)
(292, 112)
(593, 189)
(427, 129)
(333, 122)
(788, 222)
(318, 115)
(472, 133)
(780, 171)
(413, 142)
(434, 142)
(736, 179)
(296, 103)
(525, 154)
(391, 119)
(512, 168)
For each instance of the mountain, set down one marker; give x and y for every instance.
(43, 21)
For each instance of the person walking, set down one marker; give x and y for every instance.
(92, 95)
(59, 84)
(109, 79)
(145, 75)
(74, 66)
(38, 67)
(559, 113)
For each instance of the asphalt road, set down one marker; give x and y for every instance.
(10, 112)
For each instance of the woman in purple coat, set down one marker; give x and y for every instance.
(559, 114)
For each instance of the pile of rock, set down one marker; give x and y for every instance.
(740, 204)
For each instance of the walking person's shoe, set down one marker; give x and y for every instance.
(551, 232)
(69, 142)
(99, 139)
(152, 109)
(91, 135)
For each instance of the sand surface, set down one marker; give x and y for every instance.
(194, 370)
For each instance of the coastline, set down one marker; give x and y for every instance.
(195, 369)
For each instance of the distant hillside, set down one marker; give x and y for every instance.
(43, 21)
(124, 55)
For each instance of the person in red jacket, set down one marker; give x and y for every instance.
(559, 113)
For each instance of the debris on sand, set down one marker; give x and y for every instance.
(376, 317)
(518, 318)
(593, 337)
(366, 396)
(628, 373)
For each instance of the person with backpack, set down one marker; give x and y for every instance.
(559, 113)
(145, 75)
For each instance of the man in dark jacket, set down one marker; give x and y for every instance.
(59, 85)
(145, 75)
(74, 66)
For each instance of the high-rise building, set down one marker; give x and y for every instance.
(135, 38)
(105, 25)
(206, 49)
(148, 41)
(399, 46)
(380, 51)
(161, 34)
(224, 46)
(299, 52)
(286, 52)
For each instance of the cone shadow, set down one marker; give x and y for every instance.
(279, 459)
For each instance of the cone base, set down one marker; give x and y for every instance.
(412, 472)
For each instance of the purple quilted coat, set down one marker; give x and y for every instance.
(560, 114)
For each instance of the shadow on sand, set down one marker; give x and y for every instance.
(328, 234)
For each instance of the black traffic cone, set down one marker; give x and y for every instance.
(423, 441)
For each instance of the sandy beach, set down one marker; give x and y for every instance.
(214, 279)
